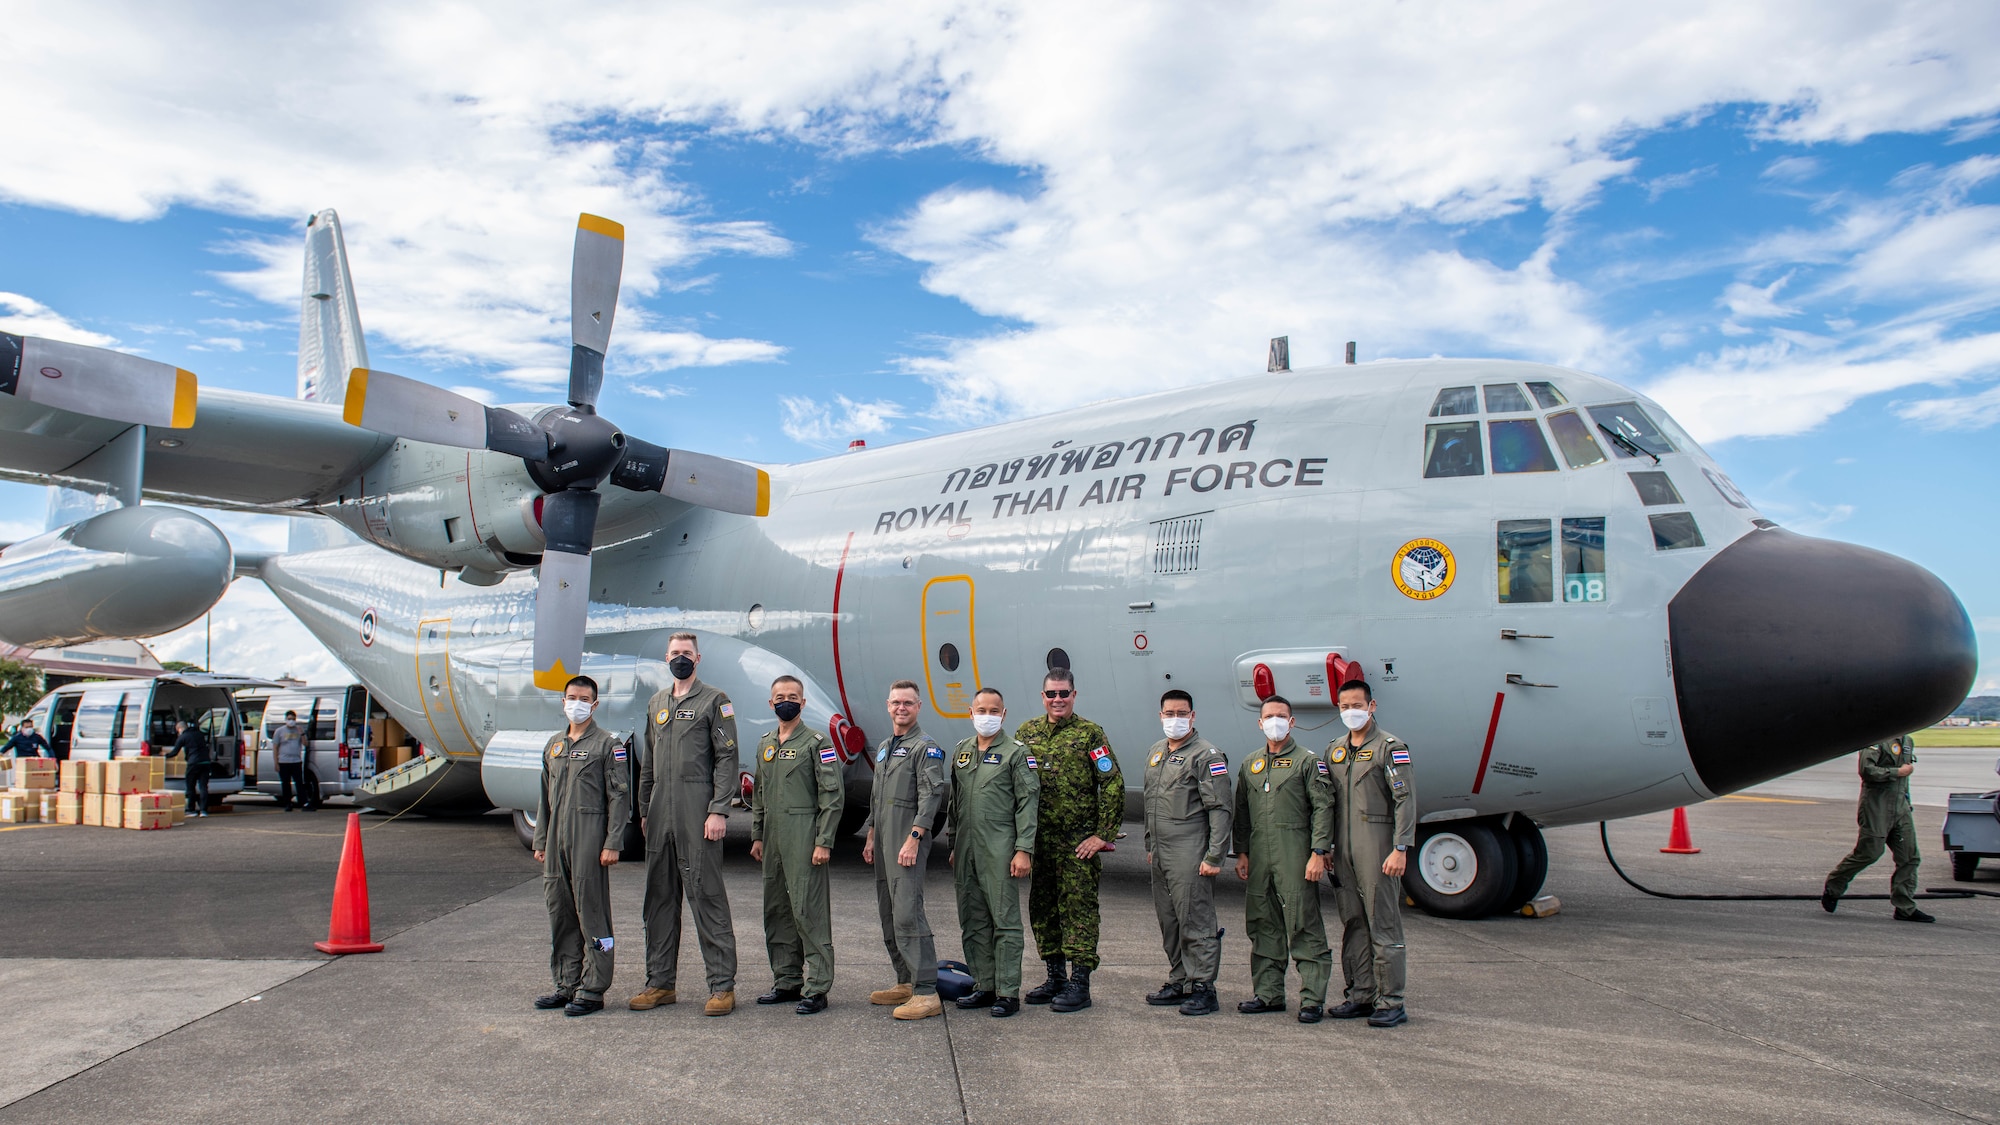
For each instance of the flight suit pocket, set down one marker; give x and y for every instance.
(696, 771)
(1182, 804)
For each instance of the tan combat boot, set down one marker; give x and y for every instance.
(720, 1004)
(650, 998)
(920, 1007)
(894, 995)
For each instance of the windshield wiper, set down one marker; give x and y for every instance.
(1628, 444)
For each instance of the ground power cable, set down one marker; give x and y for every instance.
(1604, 834)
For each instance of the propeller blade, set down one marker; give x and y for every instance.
(406, 408)
(695, 478)
(593, 298)
(562, 601)
(96, 382)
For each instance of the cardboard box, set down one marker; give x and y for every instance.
(35, 773)
(128, 775)
(114, 810)
(50, 799)
(176, 767)
(136, 803)
(69, 808)
(150, 819)
(93, 776)
(93, 808)
(69, 777)
(179, 813)
(13, 810)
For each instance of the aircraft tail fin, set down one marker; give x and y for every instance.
(330, 342)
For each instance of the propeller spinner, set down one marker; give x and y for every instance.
(568, 452)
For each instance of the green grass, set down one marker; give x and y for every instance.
(1958, 736)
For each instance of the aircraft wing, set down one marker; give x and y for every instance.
(245, 452)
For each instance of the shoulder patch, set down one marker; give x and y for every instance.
(829, 755)
(933, 752)
(1221, 769)
(1400, 757)
(1032, 763)
(1322, 767)
(618, 753)
(727, 710)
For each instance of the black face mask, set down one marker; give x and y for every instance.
(786, 709)
(681, 666)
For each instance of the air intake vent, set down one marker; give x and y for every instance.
(1177, 545)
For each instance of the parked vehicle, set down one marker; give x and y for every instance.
(103, 719)
(348, 736)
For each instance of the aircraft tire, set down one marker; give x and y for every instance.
(1531, 858)
(1472, 868)
(1964, 866)
(524, 828)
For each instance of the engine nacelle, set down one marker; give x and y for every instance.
(129, 572)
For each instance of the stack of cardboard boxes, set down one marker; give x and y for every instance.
(28, 796)
(125, 793)
(392, 744)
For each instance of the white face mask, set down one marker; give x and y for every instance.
(1276, 728)
(577, 709)
(1355, 719)
(988, 725)
(1176, 726)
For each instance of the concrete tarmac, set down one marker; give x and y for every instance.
(169, 976)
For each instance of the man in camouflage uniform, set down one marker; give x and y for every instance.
(580, 820)
(1284, 827)
(994, 797)
(1886, 820)
(1375, 824)
(1187, 830)
(686, 780)
(902, 814)
(794, 811)
(1082, 805)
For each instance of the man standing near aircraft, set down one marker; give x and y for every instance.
(1284, 826)
(288, 747)
(1082, 804)
(26, 743)
(1886, 820)
(994, 798)
(1375, 824)
(794, 812)
(685, 782)
(580, 820)
(1187, 830)
(902, 811)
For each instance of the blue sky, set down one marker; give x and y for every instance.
(897, 220)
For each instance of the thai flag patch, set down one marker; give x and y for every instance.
(728, 710)
(1399, 757)
(829, 755)
(1032, 763)
(1218, 769)
(618, 754)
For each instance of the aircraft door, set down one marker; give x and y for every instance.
(439, 694)
(951, 655)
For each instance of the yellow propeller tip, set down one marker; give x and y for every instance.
(555, 679)
(186, 390)
(598, 224)
(356, 399)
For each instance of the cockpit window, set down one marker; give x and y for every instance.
(1453, 401)
(1655, 488)
(1628, 421)
(1505, 398)
(1583, 559)
(1727, 488)
(1674, 530)
(1451, 449)
(1546, 394)
(1525, 559)
(1518, 447)
(1573, 435)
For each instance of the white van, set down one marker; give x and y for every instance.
(343, 725)
(104, 719)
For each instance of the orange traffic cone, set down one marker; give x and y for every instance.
(1678, 840)
(347, 931)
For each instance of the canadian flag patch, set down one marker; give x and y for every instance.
(1099, 752)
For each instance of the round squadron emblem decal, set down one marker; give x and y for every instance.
(1423, 569)
(367, 627)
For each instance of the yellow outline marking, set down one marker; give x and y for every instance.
(186, 390)
(598, 224)
(971, 640)
(450, 691)
(1765, 800)
(357, 396)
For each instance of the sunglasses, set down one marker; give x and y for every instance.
(1058, 693)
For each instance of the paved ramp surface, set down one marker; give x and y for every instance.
(170, 977)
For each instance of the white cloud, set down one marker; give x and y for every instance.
(1962, 412)
(1755, 302)
(812, 422)
(254, 635)
(25, 316)
(1792, 169)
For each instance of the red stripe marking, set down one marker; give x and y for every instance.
(839, 680)
(1486, 755)
(476, 537)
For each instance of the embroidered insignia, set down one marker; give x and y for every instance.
(555, 749)
(933, 752)
(662, 716)
(900, 752)
(1104, 765)
(1365, 754)
(770, 752)
(964, 758)
(618, 753)
(829, 755)
(728, 710)
(684, 714)
(1400, 757)
(1218, 769)
(1032, 763)
(1340, 753)
(1177, 759)
(882, 755)
(992, 758)
(1283, 763)
(1156, 759)
(788, 755)
(1099, 753)
(1322, 768)
(1257, 766)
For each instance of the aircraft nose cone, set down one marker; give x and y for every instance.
(1790, 650)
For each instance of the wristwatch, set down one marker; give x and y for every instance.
(1402, 847)
(1321, 852)
(916, 833)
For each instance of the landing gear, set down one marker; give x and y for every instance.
(524, 828)
(1463, 868)
(1531, 859)
(1964, 866)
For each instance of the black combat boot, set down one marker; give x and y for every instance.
(1200, 1000)
(1075, 996)
(1046, 991)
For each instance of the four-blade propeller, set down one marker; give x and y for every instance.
(568, 452)
(96, 382)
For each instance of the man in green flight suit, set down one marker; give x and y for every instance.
(794, 811)
(902, 814)
(1284, 825)
(1375, 823)
(1083, 803)
(580, 821)
(1886, 819)
(1187, 830)
(686, 779)
(994, 806)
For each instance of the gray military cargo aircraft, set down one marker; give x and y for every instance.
(1563, 604)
